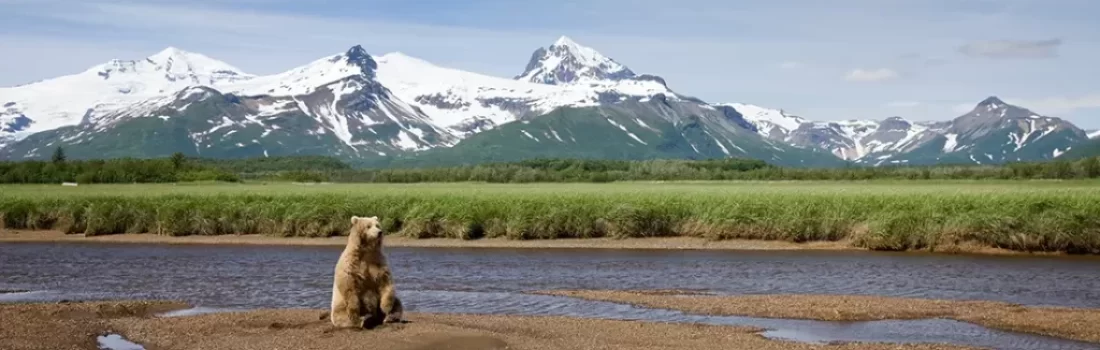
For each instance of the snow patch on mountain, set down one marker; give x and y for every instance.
(567, 62)
(766, 120)
(460, 100)
(1094, 134)
(305, 79)
(111, 86)
(952, 142)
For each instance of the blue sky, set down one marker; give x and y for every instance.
(823, 60)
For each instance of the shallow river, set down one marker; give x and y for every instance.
(492, 281)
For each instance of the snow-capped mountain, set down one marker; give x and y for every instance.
(331, 106)
(469, 102)
(970, 138)
(848, 139)
(771, 123)
(573, 101)
(116, 84)
(998, 132)
(570, 100)
(566, 62)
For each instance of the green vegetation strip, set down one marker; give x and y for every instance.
(180, 168)
(1042, 216)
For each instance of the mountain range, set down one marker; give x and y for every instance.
(394, 109)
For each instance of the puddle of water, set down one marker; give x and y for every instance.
(932, 331)
(34, 295)
(199, 310)
(792, 335)
(116, 342)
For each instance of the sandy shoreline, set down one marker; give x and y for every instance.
(1069, 323)
(662, 243)
(76, 326)
(655, 243)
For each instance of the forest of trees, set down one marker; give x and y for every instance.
(179, 168)
(579, 170)
(58, 169)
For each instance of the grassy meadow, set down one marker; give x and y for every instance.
(1047, 216)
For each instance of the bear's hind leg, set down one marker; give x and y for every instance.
(345, 313)
(396, 312)
(391, 305)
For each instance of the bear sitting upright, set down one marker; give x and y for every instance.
(363, 294)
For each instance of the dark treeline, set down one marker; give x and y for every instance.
(177, 168)
(561, 170)
(324, 169)
(581, 170)
(273, 164)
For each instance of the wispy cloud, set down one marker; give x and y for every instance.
(1047, 48)
(871, 75)
(791, 65)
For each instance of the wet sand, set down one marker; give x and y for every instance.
(76, 325)
(1070, 323)
(394, 241)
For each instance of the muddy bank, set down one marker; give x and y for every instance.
(397, 241)
(654, 243)
(68, 326)
(1070, 323)
(76, 325)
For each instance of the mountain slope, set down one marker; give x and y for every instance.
(994, 132)
(469, 102)
(635, 129)
(332, 106)
(107, 87)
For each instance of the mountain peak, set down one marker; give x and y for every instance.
(170, 51)
(567, 62)
(177, 61)
(992, 101)
(356, 50)
(358, 56)
(565, 41)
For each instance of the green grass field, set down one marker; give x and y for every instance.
(887, 215)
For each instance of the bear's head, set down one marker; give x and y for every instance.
(366, 229)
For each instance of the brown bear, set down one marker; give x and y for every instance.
(363, 293)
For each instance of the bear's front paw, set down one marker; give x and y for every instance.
(395, 318)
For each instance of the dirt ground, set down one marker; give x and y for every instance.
(1071, 323)
(76, 325)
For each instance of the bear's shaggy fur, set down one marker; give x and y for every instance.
(363, 294)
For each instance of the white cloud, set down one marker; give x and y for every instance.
(791, 65)
(1013, 48)
(871, 75)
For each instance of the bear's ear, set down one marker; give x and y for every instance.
(354, 219)
(374, 218)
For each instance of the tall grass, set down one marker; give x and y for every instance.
(1024, 216)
